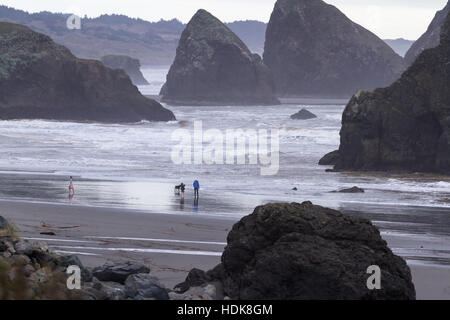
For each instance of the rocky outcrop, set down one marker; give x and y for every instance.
(302, 251)
(405, 127)
(29, 270)
(430, 38)
(42, 80)
(214, 67)
(132, 67)
(303, 115)
(330, 159)
(313, 49)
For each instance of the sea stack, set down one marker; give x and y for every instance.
(405, 127)
(214, 67)
(430, 38)
(131, 66)
(314, 50)
(42, 80)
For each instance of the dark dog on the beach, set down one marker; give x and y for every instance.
(179, 188)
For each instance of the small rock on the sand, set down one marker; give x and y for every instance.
(118, 272)
(303, 115)
(145, 286)
(295, 189)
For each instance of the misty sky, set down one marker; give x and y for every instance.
(388, 19)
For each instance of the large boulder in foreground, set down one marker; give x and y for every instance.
(405, 127)
(302, 251)
(132, 67)
(42, 80)
(430, 38)
(313, 49)
(214, 67)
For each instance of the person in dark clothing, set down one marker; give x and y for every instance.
(196, 188)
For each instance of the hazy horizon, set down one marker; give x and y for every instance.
(403, 19)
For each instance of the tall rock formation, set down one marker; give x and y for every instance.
(313, 49)
(214, 67)
(405, 127)
(132, 67)
(430, 38)
(42, 80)
(305, 252)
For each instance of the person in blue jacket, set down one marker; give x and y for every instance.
(196, 188)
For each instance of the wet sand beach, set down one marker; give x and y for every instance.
(170, 245)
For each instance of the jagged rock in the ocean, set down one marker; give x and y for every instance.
(214, 67)
(313, 49)
(118, 272)
(132, 67)
(351, 190)
(430, 38)
(42, 80)
(303, 115)
(330, 159)
(405, 127)
(302, 251)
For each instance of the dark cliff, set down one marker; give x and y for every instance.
(42, 80)
(405, 127)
